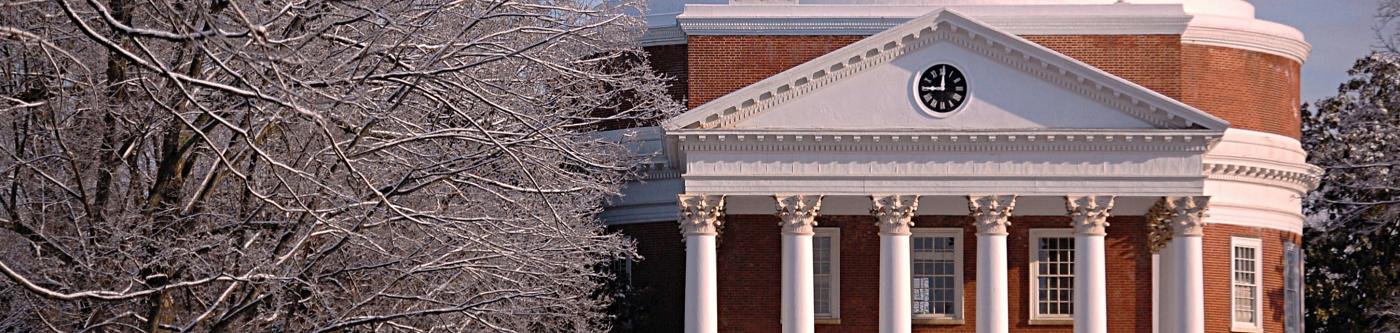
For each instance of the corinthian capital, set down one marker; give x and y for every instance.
(1187, 214)
(991, 212)
(1089, 213)
(798, 212)
(700, 214)
(894, 213)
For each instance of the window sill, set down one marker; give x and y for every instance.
(1052, 321)
(828, 321)
(1245, 329)
(938, 321)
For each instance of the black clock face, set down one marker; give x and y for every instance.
(941, 88)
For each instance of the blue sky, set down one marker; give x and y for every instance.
(1339, 30)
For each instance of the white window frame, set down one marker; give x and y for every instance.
(1258, 246)
(958, 281)
(835, 292)
(1033, 247)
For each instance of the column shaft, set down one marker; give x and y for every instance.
(701, 293)
(1166, 315)
(896, 314)
(1090, 295)
(1190, 308)
(798, 310)
(991, 284)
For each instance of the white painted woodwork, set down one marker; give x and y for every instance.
(797, 216)
(894, 214)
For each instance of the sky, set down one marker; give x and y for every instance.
(1340, 31)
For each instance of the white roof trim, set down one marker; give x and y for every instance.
(1248, 34)
(946, 25)
(872, 19)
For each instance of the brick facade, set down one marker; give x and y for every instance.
(1252, 90)
(670, 61)
(1215, 249)
(722, 64)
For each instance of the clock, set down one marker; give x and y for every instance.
(941, 88)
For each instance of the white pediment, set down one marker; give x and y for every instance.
(1014, 84)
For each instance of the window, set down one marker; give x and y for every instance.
(1292, 288)
(936, 269)
(1245, 283)
(826, 272)
(1052, 276)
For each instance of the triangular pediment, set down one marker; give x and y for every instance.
(1013, 84)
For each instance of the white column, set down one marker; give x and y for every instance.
(990, 213)
(700, 221)
(1168, 295)
(1089, 216)
(1187, 218)
(894, 215)
(1159, 242)
(798, 215)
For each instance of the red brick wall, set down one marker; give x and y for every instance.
(1152, 61)
(1252, 90)
(1215, 250)
(670, 60)
(722, 64)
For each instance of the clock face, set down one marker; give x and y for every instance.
(941, 88)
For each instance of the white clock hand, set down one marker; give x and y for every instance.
(942, 82)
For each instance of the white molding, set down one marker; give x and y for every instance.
(1298, 181)
(1258, 247)
(1248, 34)
(946, 25)
(897, 140)
(1021, 19)
(959, 298)
(1036, 234)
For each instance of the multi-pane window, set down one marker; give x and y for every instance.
(1052, 274)
(1292, 288)
(1245, 283)
(936, 267)
(826, 272)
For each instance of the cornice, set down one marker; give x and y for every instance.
(1195, 141)
(1248, 34)
(1301, 181)
(946, 26)
(872, 19)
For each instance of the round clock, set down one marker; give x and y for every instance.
(941, 88)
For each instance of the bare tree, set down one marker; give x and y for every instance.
(312, 166)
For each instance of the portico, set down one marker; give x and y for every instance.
(1032, 134)
(991, 215)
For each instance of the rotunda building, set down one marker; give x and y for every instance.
(969, 166)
